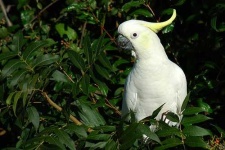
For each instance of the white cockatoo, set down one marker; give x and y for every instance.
(154, 79)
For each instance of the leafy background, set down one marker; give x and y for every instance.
(62, 74)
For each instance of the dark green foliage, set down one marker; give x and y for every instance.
(59, 62)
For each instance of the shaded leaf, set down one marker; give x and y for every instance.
(11, 66)
(87, 49)
(97, 45)
(85, 81)
(195, 142)
(99, 137)
(104, 61)
(102, 71)
(33, 116)
(146, 130)
(111, 144)
(59, 76)
(127, 6)
(168, 132)
(7, 55)
(184, 105)
(34, 46)
(46, 59)
(91, 117)
(64, 138)
(169, 143)
(129, 136)
(80, 131)
(76, 60)
(15, 100)
(9, 98)
(17, 42)
(54, 141)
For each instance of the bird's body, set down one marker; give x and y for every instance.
(154, 79)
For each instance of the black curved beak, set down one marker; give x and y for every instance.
(124, 43)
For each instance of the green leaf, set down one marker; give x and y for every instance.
(76, 60)
(80, 131)
(104, 61)
(213, 23)
(220, 130)
(106, 128)
(129, 136)
(35, 46)
(195, 119)
(98, 137)
(111, 144)
(91, 117)
(97, 45)
(102, 71)
(17, 76)
(7, 55)
(184, 105)
(9, 98)
(127, 6)
(156, 112)
(193, 110)
(63, 29)
(180, 2)
(168, 132)
(65, 139)
(99, 145)
(11, 66)
(196, 131)
(26, 16)
(4, 32)
(59, 76)
(169, 143)
(141, 12)
(204, 106)
(87, 49)
(17, 42)
(16, 98)
(54, 141)
(33, 116)
(195, 142)
(172, 117)
(146, 130)
(85, 82)
(46, 59)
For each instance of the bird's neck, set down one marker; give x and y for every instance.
(152, 54)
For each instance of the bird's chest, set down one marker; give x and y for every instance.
(150, 81)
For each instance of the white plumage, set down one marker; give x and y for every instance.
(154, 79)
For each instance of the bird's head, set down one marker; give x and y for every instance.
(139, 36)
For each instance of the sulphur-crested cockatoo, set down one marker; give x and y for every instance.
(154, 79)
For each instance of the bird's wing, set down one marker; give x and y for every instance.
(130, 97)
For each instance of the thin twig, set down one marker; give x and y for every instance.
(83, 33)
(112, 107)
(9, 23)
(61, 68)
(43, 10)
(149, 7)
(75, 120)
(2, 131)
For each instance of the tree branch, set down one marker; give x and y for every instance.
(9, 23)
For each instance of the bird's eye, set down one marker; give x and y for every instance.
(134, 35)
